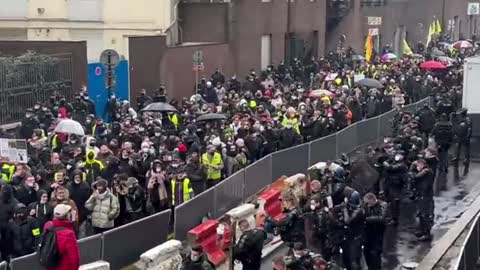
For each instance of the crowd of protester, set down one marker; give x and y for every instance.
(133, 163)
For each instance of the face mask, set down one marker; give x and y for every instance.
(145, 150)
(30, 184)
(88, 121)
(312, 207)
(157, 170)
(28, 115)
(69, 166)
(297, 255)
(158, 134)
(44, 109)
(37, 107)
(141, 129)
(124, 156)
(194, 258)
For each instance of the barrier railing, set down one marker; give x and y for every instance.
(123, 245)
(470, 250)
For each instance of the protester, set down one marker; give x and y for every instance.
(197, 260)
(67, 246)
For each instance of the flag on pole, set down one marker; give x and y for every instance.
(431, 32)
(406, 48)
(369, 48)
(438, 27)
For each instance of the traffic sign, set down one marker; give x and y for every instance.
(110, 58)
(197, 58)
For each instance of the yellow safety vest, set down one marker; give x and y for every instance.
(174, 119)
(212, 173)
(54, 141)
(293, 122)
(7, 172)
(187, 190)
(252, 104)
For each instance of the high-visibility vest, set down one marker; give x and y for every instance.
(252, 104)
(212, 173)
(54, 141)
(174, 119)
(7, 172)
(293, 122)
(187, 190)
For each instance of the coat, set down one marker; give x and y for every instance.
(104, 211)
(67, 245)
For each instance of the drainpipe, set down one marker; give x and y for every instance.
(288, 33)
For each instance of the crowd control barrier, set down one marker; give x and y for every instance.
(123, 245)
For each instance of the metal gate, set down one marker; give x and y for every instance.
(31, 78)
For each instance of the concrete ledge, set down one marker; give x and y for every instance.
(165, 256)
(10, 126)
(100, 265)
(441, 246)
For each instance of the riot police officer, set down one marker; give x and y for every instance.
(354, 218)
(321, 223)
(426, 118)
(248, 250)
(443, 135)
(463, 133)
(394, 182)
(423, 179)
(292, 226)
(375, 221)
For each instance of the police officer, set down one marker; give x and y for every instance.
(426, 118)
(463, 133)
(394, 182)
(248, 250)
(443, 135)
(321, 222)
(375, 221)
(423, 179)
(291, 227)
(354, 217)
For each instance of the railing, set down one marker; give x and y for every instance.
(23, 83)
(470, 250)
(123, 245)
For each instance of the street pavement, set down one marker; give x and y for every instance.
(400, 245)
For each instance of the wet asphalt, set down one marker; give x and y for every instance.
(400, 244)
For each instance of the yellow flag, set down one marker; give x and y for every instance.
(431, 32)
(438, 27)
(369, 48)
(406, 48)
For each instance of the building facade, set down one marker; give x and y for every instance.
(104, 24)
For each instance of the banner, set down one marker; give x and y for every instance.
(14, 150)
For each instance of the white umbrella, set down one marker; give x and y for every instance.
(70, 126)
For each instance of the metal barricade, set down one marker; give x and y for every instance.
(385, 125)
(323, 149)
(367, 131)
(3, 266)
(258, 175)
(290, 161)
(190, 214)
(27, 262)
(90, 249)
(123, 246)
(229, 193)
(347, 139)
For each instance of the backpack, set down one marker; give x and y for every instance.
(47, 252)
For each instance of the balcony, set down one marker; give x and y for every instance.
(85, 10)
(13, 9)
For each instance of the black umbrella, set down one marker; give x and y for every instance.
(371, 83)
(211, 117)
(159, 107)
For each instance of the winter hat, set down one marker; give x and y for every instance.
(182, 148)
(61, 210)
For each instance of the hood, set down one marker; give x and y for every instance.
(40, 193)
(90, 160)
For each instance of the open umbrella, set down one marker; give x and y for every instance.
(436, 53)
(358, 57)
(416, 55)
(389, 56)
(433, 65)
(320, 93)
(211, 117)
(462, 44)
(371, 83)
(70, 127)
(445, 60)
(159, 107)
